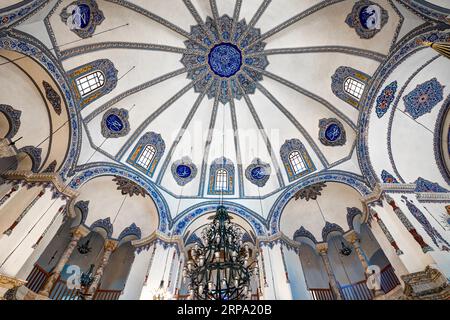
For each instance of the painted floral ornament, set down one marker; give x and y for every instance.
(258, 172)
(115, 123)
(332, 132)
(184, 171)
(82, 17)
(367, 18)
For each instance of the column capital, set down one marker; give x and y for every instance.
(322, 248)
(352, 237)
(111, 245)
(80, 231)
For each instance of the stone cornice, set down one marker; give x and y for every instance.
(381, 188)
(54, 178)
(155, 236)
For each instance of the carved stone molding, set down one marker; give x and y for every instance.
(429, 284)
(31, 177)
(10, 282)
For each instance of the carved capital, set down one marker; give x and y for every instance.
(111, 245)
(80, 232)
(322, 248)
(352, 237)
(10, 283)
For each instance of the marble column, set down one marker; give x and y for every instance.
(353, 238)
(76, 236)
(110, 246)
(386, 232)
(159, 270)
(278, 285)
(425, 247)
(24, 212)
(297, 278)
(5, 198)
(322, 249)
(138, 273)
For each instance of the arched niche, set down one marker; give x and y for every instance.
(33, 111)
(399, 118)
(330, 208)
(128, 214)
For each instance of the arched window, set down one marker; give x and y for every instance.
(147, 153)
(297, 163)
(221, 177)
(221, 180)
(296, 159)
(354, 87)
(348, 84)
(91, 82)
(146, 156)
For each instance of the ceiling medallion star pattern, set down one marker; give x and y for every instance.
(127, 187)
(310, 192)
(223, 62)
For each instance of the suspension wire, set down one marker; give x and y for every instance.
(66, 43)
(53, 202)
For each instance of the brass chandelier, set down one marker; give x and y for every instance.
(220, 268)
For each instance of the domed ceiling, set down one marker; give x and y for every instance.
(244, 80)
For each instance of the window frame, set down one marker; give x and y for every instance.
(150, 159)
(294, 166)
(355, 87)
(218, 175)
(95, 73)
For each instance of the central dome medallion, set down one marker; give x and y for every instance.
(225, 59)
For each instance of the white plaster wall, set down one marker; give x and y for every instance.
(333, 204)
(106, 201)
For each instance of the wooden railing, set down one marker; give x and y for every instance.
(36, 278)
(322, 294)
(356, 291)
(60, 291)
(107, 294)
(359, 290)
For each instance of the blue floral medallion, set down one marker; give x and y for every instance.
(115, 123)
(331, 132)
(82, 17)
(424, 98)
(386, 177)
(258, 172)
(385, 99)
(184, 171)
(225, 59)
(367, 18)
